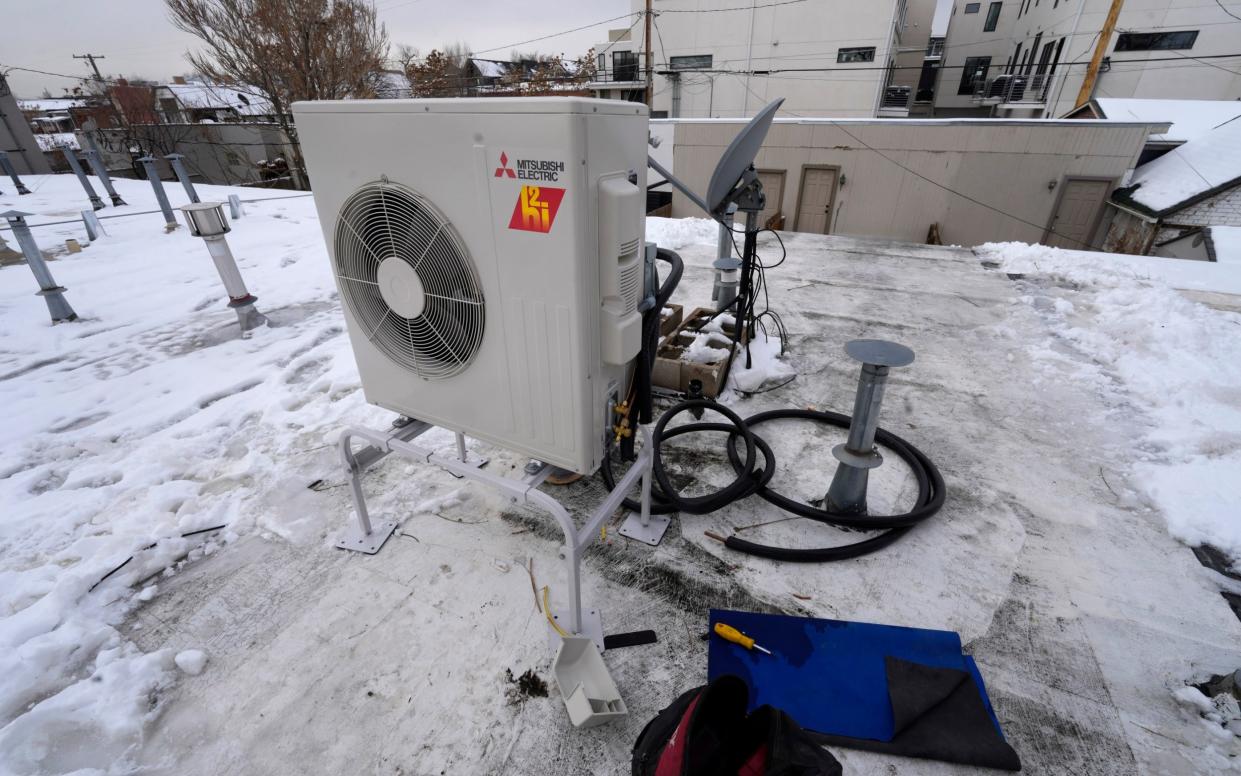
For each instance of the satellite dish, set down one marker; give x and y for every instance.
(739, 156)
(732, 165)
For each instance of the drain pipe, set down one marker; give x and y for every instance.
(76, 166)
(857, 456)
(53, 294)
(7, 166)
(206, 220)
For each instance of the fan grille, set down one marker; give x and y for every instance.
(387, 222)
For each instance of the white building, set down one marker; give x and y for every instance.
(727, 58)
(1030, 57)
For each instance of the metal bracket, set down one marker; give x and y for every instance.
(524, 491)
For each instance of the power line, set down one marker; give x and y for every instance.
(557, 34)
(734, 8)
(1225, 10)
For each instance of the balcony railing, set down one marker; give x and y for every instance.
(1012, 88)
(620, 75)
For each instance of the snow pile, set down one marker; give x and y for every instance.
(97, 722)
(707, 348)
(676, 233)
(1198, 166)
(1178, 361)
(191, 661)
(766, 370)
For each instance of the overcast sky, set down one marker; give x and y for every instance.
(138, 40)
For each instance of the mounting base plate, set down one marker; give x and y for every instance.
(352, 537)
(652, 533)
(592, 628)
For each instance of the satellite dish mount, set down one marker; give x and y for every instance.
(735, 182)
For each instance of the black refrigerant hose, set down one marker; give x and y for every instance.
(752, 480)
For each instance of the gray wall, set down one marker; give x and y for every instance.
(16, 137)
(214, 153)
(1006, 164)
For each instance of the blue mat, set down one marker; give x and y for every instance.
(830, 675)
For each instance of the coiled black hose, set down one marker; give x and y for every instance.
(752, 481)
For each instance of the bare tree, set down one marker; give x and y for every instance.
(438, 74)
(287, 50)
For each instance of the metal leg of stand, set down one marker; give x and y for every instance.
(464, 456)
(366, 536)
(645, 527)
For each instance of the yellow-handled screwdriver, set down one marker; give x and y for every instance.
(729, 633)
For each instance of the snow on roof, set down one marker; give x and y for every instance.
(52, 141)
(201, 95)
(1189, 171)
(1227, 242)
(50, 104)
(490, 68)
(1190, 118)
(394, 84)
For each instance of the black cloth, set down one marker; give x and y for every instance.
(938, 715)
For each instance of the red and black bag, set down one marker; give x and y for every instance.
(706, 732)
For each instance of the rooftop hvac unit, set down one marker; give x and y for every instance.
(489, 257)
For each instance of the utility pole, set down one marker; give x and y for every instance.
(1105, 37)
(650, 76)
(91, 58)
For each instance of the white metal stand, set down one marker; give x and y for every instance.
(369, 537)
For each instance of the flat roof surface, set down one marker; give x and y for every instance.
(1083, 614)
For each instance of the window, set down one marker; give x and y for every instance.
(972, 7)
(858, 54)
(974, 72)
(624, 65)
(1156, 41)
(693, 62)
(993, 16)
(1038, 39)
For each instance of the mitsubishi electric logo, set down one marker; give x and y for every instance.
(537, 204)
(504, 169)
(530, 169)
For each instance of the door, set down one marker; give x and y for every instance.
(1077, 213)
(814, 201)
(773, 187)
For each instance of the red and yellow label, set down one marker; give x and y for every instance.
(536, 208)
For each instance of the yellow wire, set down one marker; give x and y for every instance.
(547, 612)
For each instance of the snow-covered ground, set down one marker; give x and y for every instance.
(145, 420)
(1179, 360)
(127, 645)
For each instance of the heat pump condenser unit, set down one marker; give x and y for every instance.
(489, 257)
